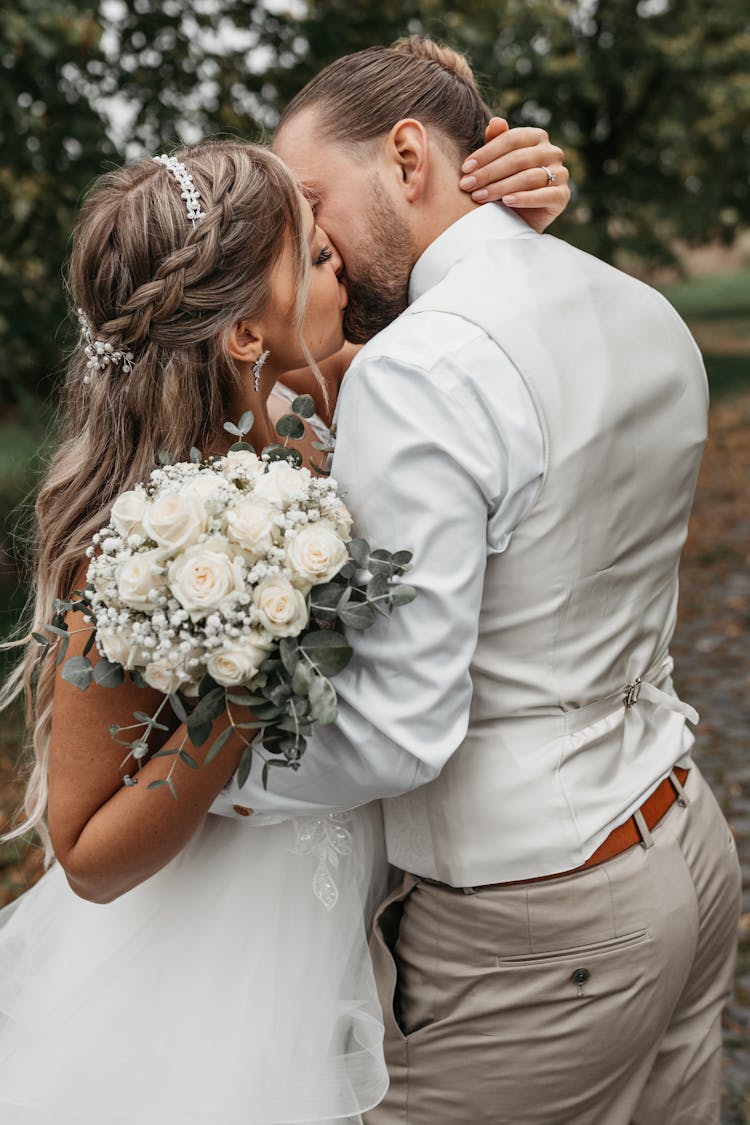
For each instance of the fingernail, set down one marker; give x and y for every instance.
(468, 182)
(480, 196)
(469, 165)
(510, 199)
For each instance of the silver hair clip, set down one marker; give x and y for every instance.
(101, 355)
(189, 192)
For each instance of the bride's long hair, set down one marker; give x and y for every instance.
(149, 282)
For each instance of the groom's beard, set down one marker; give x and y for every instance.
(378, 283)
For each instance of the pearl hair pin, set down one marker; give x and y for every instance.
(102, 355)
(189, 191)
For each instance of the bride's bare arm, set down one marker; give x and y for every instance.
(108, 837)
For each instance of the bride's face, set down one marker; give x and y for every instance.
(322, 327)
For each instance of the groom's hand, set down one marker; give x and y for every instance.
(512, 166)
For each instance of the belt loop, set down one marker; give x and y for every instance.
(647, 840)
(682, 798)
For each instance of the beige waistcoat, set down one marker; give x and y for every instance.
(583, 601)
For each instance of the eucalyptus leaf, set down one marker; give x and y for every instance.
(165, 457)
(195, 455)
(178, 707)
(289, 426)
(246, 764)
(157, 784)
(244, 699)
(172, 789)
(323, 703)
(302, 678)
(402, 559)
(289, 653)
(241, 447)
(304, 405)
(267, 711)
(245, 423)
(232, 429)
(380, 563)
(276, 452)
(58, 630)
(188, 759)
(90, 642)
(402, 595)
(209, 708)
(357, 615)
(40, 640)
(378, 586)
(78, 672)
(142, 717)
(328, 651)
(207, 684)
(108, 674)
(218, 745)
(62, 651)
(198, 733)
(137, 678)
(359, 551)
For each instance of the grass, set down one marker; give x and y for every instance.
(708, 298)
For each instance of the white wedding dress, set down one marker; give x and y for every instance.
(228, 989)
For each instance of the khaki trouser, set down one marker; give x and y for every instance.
(592, 999)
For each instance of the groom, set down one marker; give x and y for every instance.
(530, 422)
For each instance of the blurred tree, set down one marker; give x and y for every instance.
(51, 143)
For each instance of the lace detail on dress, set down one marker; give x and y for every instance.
(327, 838)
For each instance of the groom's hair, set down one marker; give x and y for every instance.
(360, 97)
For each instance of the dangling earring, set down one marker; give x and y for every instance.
(257, 368)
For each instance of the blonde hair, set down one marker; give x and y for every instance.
(149, 282)
(361, 96)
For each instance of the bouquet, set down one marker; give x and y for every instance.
(224, 582)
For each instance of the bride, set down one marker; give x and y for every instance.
(170, 967)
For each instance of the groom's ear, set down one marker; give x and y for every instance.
(409, 148)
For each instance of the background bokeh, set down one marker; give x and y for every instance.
(651, 101)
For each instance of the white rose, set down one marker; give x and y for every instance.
(118, 646)
(316, 553)
(243, 460)
(205, 485)
(137, 578)
(235, 664)
(175, 520)
(204, 576)
(251, 524)
(282, 484)
(282, 608)
(127, 512)
(342, 520)
(164, 679)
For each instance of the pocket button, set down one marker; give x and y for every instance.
(580, 976)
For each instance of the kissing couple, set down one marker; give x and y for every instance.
(508, 787)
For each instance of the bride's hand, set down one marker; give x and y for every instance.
(511, 166)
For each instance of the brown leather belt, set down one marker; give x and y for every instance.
(620, 839)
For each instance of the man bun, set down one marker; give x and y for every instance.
(453, 61)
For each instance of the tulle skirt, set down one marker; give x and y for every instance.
(221, 991)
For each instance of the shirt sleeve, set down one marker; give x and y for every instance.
(427, 463)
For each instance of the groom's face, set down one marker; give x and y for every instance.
(350, 190)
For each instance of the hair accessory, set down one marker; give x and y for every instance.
(258, 367)
(189, 192)
(101, 355)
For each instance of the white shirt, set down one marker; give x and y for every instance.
(415, 427)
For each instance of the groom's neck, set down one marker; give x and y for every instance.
(441, 207)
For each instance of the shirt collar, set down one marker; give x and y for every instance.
(488, 223)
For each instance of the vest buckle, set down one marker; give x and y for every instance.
(633, 692)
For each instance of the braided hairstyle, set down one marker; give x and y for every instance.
(360, 97)
(152, 283)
